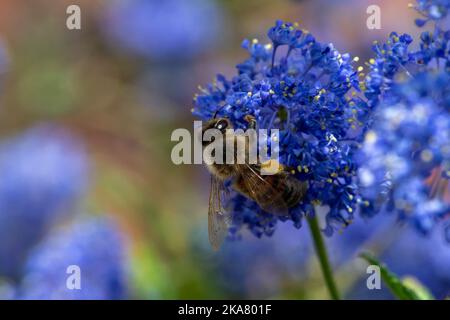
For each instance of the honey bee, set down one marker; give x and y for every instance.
(273, 193)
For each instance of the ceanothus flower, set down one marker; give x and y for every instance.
(390, 59)
(431, 10)
(258, 268)
(304, 91)
(43, 172)
(407, 125)
(408, 143)
(95, 245)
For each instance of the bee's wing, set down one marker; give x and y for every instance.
(266, 190)
(218, 218)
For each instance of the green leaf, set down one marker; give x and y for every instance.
(415, 285)
(403, 290)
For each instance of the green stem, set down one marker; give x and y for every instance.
(321, 251)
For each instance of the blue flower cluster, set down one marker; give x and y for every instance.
(257, 268)
(395, 60)
(95, 246)
(43, 175)
(407, 138)
(168, 30)
(304, 88)
(431, 10)
(41, 178)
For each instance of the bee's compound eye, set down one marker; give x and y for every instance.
(221, 125)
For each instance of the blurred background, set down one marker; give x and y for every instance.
(85, 172)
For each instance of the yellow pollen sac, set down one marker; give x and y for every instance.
(426, 155)
(192, 109)
(334, 175)
(356, 59)
(272, 165)
(255, 41)
(372, 61)
(271, 91)
(316, 202)
(249, 94)
(299, 168)
(360, 68)
(371, 137)
(306, 169)
(349, 209)
(329, 180)
(268, 46)
(296, 24)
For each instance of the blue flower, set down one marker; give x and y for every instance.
(259, 268)
(431, 10)
(390, 59)
(404, 251)
(163, 30)
(409, 141)
(304, 92)
(43, 172)
(94, 245)
(407, 125)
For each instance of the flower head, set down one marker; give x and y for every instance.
(431, 10)
(304, 92)
(409, 141)
(42, 174)
(95, 246)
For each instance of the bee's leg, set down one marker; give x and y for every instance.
(251, 121)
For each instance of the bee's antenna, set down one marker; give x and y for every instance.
(217, 111)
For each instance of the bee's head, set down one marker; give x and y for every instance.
(221, 124)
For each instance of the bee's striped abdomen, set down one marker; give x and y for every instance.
(294, 191)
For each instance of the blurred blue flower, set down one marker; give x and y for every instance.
(42, 173)
(95, 245)
(407, 126)
(431, 10)
(407, 254)
(425, 258)
(163, 30)
(409, 139)
(304, 92)
(260, 268)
